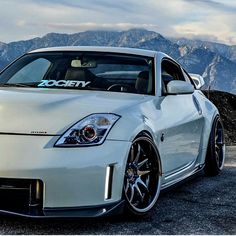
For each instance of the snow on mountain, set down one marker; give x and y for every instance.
(219, 48)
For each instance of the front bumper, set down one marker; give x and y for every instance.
(73, 179)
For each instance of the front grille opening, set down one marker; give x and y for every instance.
(21, 196)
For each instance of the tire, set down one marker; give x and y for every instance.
(215, 156)
(142, 178)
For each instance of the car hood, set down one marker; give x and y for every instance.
(53, 111)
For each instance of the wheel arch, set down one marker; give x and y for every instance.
(214, 165)
(144, 135)
(207, 133)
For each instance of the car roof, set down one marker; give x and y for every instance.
(123, 50)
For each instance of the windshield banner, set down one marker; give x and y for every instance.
(63, 83)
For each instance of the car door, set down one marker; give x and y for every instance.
(182, 121)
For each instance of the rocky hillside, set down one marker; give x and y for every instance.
(226, 104)
(218, 48)
(215, 62)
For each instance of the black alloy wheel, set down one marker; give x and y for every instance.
(142, 176)
(216, 149)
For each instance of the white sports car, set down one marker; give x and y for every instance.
(93, 131)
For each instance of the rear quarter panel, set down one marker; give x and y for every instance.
(209, 111)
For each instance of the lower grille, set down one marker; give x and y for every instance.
(21, 196)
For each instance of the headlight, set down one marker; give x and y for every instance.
(92, 130)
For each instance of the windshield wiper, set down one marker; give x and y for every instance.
(17, 85)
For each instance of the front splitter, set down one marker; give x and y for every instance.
(72, 212)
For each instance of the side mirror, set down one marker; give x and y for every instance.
(198, 80)
(179, 87)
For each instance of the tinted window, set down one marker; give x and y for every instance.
(34, 71)
(82, 70)
(170, 71)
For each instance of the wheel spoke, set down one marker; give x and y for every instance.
(143, 172)
(220, 141)
(217, 157)
(217, 148)
(127, 186)
(139, 181)
(147, 180)
(132, 193)
(140, 164)
(138, 192)
(138, 154)
(219, 137)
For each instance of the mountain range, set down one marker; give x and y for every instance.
(215, 62)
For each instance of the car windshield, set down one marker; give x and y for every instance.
(82, 70)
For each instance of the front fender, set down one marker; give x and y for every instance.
(139, 118)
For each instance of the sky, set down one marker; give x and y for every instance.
(211, 20)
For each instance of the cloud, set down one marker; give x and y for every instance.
(96, 5)
(20, 23)
(214, 26)
(95, 26)
(209, 19)
(225, 6)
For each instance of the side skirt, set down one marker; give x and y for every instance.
(194, 172)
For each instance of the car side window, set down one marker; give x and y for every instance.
(170, 71)
(188, 78)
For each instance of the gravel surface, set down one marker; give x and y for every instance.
(203, 205)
